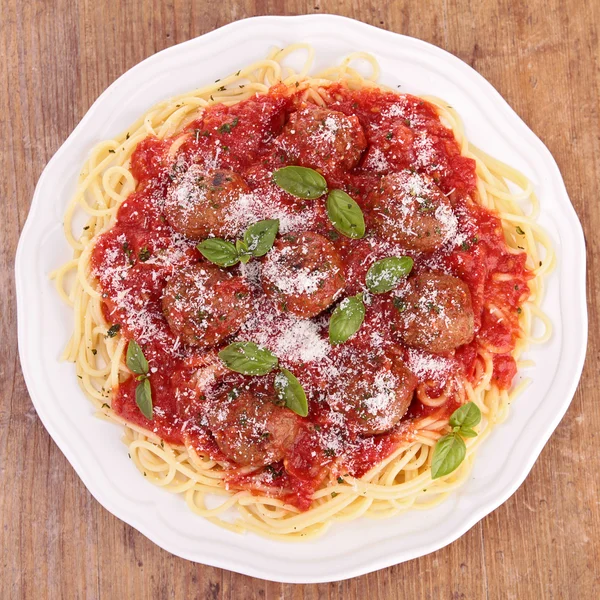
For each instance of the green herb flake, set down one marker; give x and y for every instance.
(227, 127)
(113, 330)
(144, 254)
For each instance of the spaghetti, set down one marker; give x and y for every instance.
(390, 472)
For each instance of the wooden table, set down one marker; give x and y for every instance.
(55, 539)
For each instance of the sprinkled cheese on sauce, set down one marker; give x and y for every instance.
(376, 161)
(425, 153)
(448, 221)
(290, 338)
(429, 366)
(291, 280)
(265, 203)
(405, 111)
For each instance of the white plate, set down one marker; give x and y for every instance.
(94, 448)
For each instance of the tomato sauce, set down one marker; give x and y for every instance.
(134, 260)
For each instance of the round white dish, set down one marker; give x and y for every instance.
(93, 446)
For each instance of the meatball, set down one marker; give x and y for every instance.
(408, 208)
(319, 137)
(303, 273)
(204, 304)
(372, 394)
(249, 427)
(199, 203)
(435, 313)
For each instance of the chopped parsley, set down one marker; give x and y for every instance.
(113, 330)
(399, 304)
(273, 472)
(128, 251)
(144, 254)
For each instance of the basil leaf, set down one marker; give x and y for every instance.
(143, 398)
(345, 215)
(136, 361)
(449, 452)
(261, 236)
(242, 249)
(467, 432)
(218, 251)
(248, 358)
(290, 391)
(346, 319)
(467, 416)
(386, 273)
(300, 182)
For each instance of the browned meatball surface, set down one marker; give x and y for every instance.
(372, 394)
(199, 202)
(248, 426)
(204, 304)
(408, 208)
(319, 137)
(435, 313)
(303, 273)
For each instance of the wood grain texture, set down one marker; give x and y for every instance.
(55, 539)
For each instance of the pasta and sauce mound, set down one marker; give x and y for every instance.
(304, 297)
